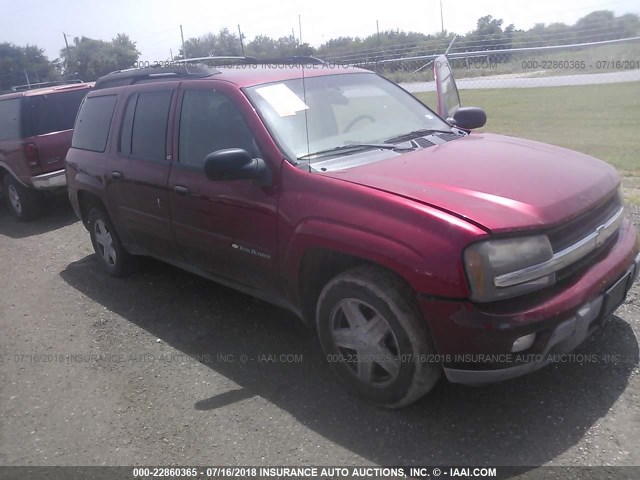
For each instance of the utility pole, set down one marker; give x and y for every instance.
(27, 77)
(378, 30)
(241, 42)
(441, 18)
(184, 52)
(171, 54)
(67, 58)
(300, 29)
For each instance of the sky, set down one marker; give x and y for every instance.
(155, 24)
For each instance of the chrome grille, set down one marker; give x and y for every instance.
(592, 242)
(576, 229)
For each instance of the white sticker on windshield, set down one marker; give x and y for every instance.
(282, 99)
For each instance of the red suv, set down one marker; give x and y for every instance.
(35, 134)
(413, 247)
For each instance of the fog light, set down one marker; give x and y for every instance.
(523, 343)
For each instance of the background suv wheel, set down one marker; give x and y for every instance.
(23, 202)
(375, 338)
(110, 252)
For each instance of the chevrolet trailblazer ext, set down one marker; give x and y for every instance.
(413, 247)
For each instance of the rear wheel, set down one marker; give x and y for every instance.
(375, 337)
(23, 202)
(106, 244)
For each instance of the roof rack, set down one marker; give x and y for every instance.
(139, 75)
(31, 86)
(227, 60)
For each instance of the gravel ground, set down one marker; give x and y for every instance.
(102, 371)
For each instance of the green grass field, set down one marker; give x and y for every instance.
(600, 120)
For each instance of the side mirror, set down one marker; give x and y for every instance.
(235, 164)
(469, 118)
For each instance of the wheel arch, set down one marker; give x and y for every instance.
(313, 260)
(6, 170)
(87, 200)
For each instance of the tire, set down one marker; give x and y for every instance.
(24, 203)
(111, 255)
(388, 361)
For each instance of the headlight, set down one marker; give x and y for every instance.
(487, 260)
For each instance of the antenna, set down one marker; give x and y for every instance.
(66, 58)
(306, 118)
(451, 44)
(304, 94)
(184, 52)
(241, 42)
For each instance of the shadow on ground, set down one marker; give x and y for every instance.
(527, 421)
(57, 213)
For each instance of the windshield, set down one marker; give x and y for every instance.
(338, 110)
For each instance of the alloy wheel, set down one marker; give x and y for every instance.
(104, 242)
(366, 342)
(14, 199)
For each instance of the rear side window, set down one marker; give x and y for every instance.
(53, 112)
(144, 126)
(92, 126)
(10, 119)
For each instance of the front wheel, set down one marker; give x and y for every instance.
(375, 338)
(110, 252)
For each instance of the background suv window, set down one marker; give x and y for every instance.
(92, 126)
(53, 112)
(10, 119)
(210, 121)
(144, 129)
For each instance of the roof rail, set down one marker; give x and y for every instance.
(138, 75)
(295, 59)
(31, 86)
(227, 60)
(222, 59)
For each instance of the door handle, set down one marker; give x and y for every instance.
(180, 190)
(115, 175)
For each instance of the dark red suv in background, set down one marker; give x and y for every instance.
(411, 245)
(35, 134)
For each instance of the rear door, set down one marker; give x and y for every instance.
(140, 168)
(448, 99)
(225, 227)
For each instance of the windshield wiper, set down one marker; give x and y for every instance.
(416, 134)
(352, 146)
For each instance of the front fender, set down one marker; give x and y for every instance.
(412, 265)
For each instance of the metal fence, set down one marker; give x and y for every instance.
(596, 62)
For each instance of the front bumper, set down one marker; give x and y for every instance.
(564, 338)
(50, 181)
(475, 341)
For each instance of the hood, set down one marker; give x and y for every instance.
(501, 183)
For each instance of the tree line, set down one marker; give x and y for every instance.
(87, 59)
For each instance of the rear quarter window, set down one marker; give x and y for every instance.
(93, 123)
(10, 119)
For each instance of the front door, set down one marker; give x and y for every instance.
(225, 227)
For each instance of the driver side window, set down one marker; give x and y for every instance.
(209, 121)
